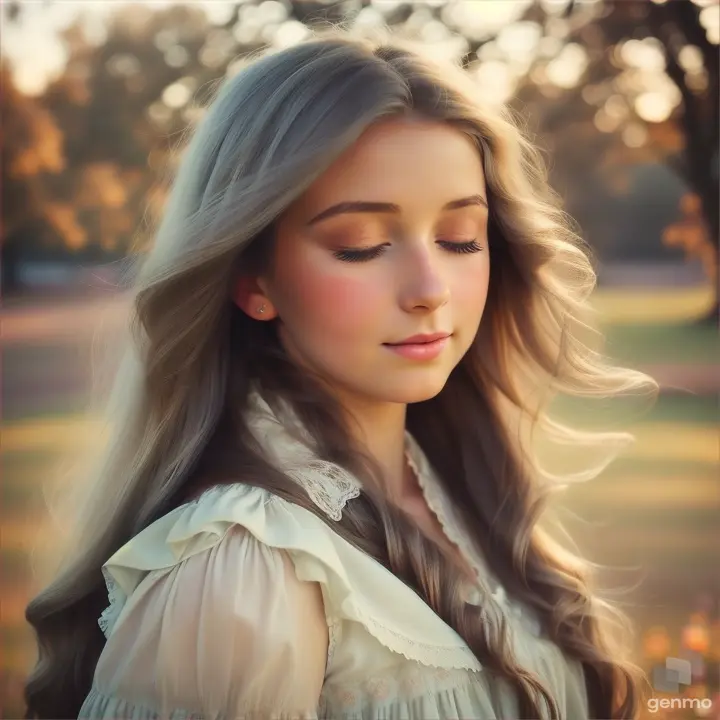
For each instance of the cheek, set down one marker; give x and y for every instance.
(329, 300)
(470, 290)
(334, 301)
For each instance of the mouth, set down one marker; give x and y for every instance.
(421, 339)
(420, 347)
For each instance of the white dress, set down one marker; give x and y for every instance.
(242, 605)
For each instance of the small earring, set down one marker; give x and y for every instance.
(261, 309)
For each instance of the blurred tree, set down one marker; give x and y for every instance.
(652, 43)
(692, 63)
(612, 89)
(78, 161)
(31, 146)
(108, 99)
(591, 80)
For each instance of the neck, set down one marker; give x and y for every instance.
(379, 428)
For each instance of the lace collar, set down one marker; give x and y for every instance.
(328, 485)
(287, 446)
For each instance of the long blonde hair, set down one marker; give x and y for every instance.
(176, 411)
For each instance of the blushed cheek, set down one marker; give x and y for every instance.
(337, 305)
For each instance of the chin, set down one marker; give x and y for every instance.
(412, 389)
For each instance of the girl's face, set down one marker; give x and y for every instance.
(390, 243)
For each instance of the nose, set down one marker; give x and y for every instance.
(424, 287)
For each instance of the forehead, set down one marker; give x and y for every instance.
(415, 164)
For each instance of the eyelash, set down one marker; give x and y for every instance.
(471, 246)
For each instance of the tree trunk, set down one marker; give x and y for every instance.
(676, 24)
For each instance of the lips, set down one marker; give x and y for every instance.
(421, 339)
(420, 347)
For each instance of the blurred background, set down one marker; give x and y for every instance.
(622, 96)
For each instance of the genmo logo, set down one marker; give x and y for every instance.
(670, 677)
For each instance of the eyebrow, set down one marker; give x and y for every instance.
(379, 207)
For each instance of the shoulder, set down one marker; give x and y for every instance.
(227, 526)
(206, 616)
(239, 587)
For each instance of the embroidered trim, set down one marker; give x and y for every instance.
(333, 624)
(328, 485)
(409, 685)
(116, 597)
(437, 501)
(459, 657)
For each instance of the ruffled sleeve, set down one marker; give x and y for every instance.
(229, 631)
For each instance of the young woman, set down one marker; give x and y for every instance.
(319, 498)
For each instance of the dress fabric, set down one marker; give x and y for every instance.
(240, 605)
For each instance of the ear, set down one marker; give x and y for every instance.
(249, 295)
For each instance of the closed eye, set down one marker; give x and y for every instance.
(361, 254)
(365, 254)
(471, 246)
